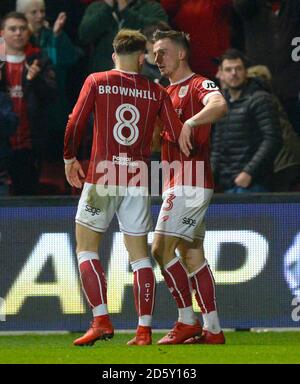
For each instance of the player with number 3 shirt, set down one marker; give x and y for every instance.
(180, 225)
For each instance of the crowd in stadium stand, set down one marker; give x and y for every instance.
(71, 38)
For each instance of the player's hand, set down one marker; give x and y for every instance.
(74, 172)
(59, 23)
(185, 139)
(33, 70)
(243, 180)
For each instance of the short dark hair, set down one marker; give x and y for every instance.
(13, 15)
(128, 41)
(180, 38)
(234, 54)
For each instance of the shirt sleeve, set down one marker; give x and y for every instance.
(205, 89)
(79, 117)
(172, 124)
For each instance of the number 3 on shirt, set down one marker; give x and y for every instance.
(129, 121)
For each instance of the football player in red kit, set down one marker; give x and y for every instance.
(125, 106)
(187, 194)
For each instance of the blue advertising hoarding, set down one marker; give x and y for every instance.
(253, 247)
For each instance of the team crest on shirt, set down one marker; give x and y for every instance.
(183, 91)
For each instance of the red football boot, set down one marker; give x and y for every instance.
(101, 329)
(143, 336)
(207, 338)
(180, 333)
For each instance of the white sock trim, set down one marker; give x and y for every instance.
(199, 269)
(140, 264)
(212, 322)
(100, 310)
(172, 262)
(187, 315)
(145, 320)
(86, 256)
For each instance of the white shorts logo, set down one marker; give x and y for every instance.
(209, 85)
(183, 91)
(123, 122)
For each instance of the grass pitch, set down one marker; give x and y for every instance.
(241, 347)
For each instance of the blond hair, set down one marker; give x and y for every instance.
(260, 71)
(23, 5)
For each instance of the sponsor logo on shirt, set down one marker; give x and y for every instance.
(123, 160)
(210, 85)
(16, 92)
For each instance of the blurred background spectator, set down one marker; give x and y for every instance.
(208, 23)
(8, 126)
(57, 46)
(247, 140)
(6, 6)
(76, 35)
(30, 81)
(103, 19)
(286, 173)
(270, 27)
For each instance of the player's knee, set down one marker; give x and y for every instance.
(157, 253)
(191, 264)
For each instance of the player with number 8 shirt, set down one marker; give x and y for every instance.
(125, 107)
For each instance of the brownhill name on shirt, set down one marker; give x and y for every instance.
(131, 92)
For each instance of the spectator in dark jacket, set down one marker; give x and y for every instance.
(286, 172)
(248, 139)
(270, 30)
(8, 126)
(31, 84)
(103, 19)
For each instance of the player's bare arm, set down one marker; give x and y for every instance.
(215, 108)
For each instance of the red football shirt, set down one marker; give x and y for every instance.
(14, 73)
(125, 107)
(189, 96)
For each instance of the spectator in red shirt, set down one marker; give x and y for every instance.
(208, 24)
(31, 84)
